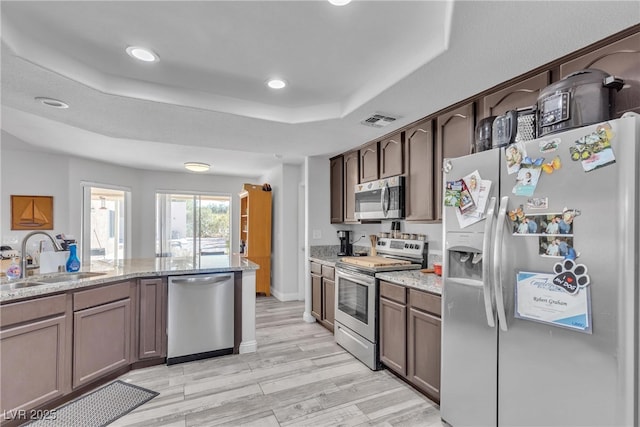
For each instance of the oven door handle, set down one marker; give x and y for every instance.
(358, 278)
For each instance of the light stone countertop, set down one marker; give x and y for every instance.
(414, 279)
(126, 269)
(328, 260)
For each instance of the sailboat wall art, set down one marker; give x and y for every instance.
(32, 212)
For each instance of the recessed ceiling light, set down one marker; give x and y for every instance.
(276, 83)
(50, 102)
(339, 2)
(142, 53)
(197, 166)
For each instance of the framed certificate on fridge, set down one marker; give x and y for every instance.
(538, 299)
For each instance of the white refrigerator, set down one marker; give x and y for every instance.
(540, 302)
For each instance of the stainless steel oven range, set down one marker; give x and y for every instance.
(356, 312)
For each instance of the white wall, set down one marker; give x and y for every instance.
(33, 172)
(284, 181)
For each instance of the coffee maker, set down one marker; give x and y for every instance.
(346, 249)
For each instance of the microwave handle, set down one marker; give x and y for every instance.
(384, 198)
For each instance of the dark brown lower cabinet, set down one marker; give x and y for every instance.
(329, 300)
(152, 335)
(101, 331)
(316, 296)
(323, 290)
(410, 336)
(34, 353)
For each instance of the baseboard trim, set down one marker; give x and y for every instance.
(280, 296)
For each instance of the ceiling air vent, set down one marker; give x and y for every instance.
(379, 120)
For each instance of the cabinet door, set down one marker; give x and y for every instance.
(369, 162)
(316, 296)
(621, 59)
(102, 340)
(454, 136)
(33, 367)
(519, 95)
(391, 156)
(419, 181)
(152, 338)
(337, 189)
(351, 179)
(328, 302)
(393, 335)
(424, 352)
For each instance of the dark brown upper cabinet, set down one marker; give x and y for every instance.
(369, 162)
(392, 156)
(337, 189)
(454, 138)
(419, 182)
(351, 175)
(520, 95)
(621, 59)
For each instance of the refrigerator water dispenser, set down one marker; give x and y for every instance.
(464, 252)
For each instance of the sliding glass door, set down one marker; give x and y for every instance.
(192, 225)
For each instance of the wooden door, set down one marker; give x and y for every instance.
(316, 296)
(351, 179)
(152, 337)
(424, 352)
(520, 95)
(369, 162)
(392, 156)
(393, 335)
(336, 175)
(454, 138)
(102, 339)
(33, 368)
(419, 180)
(328, 302)
(621, 59)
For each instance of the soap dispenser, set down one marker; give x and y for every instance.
(73, 262)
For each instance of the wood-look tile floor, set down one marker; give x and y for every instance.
(298, 377)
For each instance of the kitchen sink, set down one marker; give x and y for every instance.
(70, 277)
(20, 285)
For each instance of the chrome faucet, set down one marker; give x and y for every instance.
(23, 251)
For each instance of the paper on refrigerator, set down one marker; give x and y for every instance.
(479, 189)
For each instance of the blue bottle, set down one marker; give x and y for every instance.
(73, 262)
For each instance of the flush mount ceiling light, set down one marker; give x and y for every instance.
(50, 102)
(142, 54)
(197, 166)
(339, 2)
(276, 83)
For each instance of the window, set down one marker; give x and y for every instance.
(105, 228)
(192, 225)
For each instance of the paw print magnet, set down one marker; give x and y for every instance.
(571, 276)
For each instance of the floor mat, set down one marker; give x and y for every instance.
(98, 408)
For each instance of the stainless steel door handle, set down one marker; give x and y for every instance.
(486, 267)
(207, 280)
(497, 255)
(385, 198)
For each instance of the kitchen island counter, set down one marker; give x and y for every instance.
(124, 270)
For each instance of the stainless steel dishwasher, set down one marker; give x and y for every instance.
(201, 318)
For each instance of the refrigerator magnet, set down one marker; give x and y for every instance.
(594, 150)
(514, 154)
(526, 181)
(452, 193)
(538, 203)
(538, 299)
(549, 146)
(571, 276)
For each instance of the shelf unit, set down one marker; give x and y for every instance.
(255, 232)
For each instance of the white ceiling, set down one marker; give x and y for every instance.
(205, 100)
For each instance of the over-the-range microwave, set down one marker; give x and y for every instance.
(381, 199)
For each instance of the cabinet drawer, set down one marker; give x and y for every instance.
(328, 272)
(25, 311)
(393, 292)
(425, 302)
(103, 295)
(316, 268)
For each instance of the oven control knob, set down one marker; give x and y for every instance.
(406, 245)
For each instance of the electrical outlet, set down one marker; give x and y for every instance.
(317, 234)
